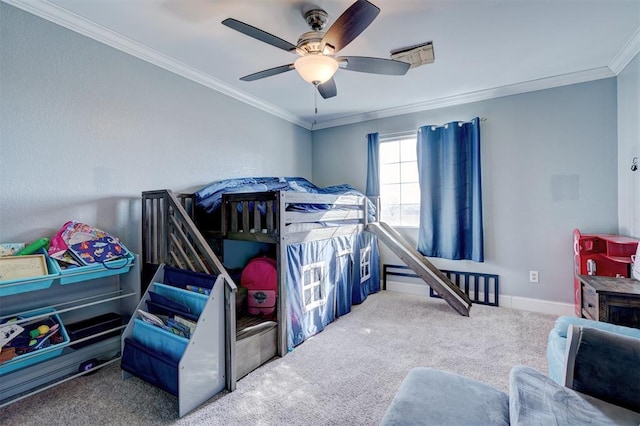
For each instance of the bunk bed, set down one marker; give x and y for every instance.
(326, 259)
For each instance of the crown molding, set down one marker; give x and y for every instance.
(481, 95)
(88, 28)
(76, 23)
(626, 54)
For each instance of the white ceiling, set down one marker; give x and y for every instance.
(483, 48)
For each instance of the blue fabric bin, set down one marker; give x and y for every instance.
(181, 278)
(194, 301)
(153, 354)
(170, 345)
(150, 366)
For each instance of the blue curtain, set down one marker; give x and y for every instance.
(450, 191)
(373, 172)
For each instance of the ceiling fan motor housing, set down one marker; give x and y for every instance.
(316, 18)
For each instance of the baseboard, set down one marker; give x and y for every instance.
(538, 305)
(506, 301)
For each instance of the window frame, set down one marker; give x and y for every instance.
(365, 264)
(313, 284)
(397, 138)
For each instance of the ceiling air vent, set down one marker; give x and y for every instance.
(419, 54)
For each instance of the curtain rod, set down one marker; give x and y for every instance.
(482, 119)
(398, 135)
(460, 123)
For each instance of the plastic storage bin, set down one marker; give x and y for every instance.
(39, 355)
(94, 325)
(23, 285)
(74, 274)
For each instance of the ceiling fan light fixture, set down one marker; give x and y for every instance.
(316, 69)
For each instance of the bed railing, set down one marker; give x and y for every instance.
(251, 224)
(170, 236)
(257, 216)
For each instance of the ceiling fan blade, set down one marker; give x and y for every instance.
(328, 89)
(267, 73)
(350, 24)
(374, 65)
(258, 34)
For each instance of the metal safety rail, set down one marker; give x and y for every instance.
(481, 288)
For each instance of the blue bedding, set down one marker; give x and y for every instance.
(209, 198)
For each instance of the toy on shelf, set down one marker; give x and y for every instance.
(39, 335)
(10, 249)
(78, 244)
(42, 243)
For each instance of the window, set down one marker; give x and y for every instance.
(399, 188)
(365, 264)
(313, 294)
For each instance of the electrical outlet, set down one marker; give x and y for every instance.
(533, 276)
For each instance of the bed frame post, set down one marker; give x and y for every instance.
(282, 273)
(230, 337)
(224, 227)
(365, 209)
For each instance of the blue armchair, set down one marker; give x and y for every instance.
(600, 386)
(557, 341)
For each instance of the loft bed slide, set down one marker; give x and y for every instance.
(431, 275)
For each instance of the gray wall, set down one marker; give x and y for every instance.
(629, 147)
(549, 166)
(86, 128)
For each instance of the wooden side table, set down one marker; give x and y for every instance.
(609, 299)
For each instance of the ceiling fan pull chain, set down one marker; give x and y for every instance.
(315, 105)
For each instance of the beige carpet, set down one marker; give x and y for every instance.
(346, 375)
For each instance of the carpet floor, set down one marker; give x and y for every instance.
(345, 375)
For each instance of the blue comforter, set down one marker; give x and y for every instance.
(209, 198)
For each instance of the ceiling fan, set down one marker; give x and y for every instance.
(317, 62)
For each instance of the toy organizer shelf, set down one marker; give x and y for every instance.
(608, 255)
(85, 294)
(192, 369)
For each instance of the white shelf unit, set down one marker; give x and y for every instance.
(77, 295)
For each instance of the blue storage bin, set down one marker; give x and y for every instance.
(194, 301)
(74, 274)
(23, 285)
(39, 355)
